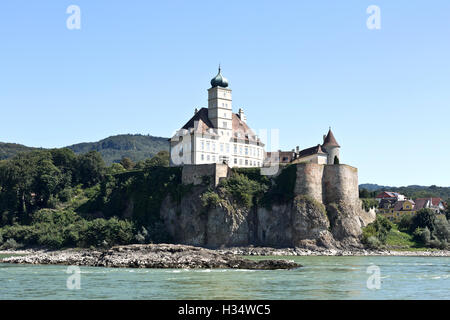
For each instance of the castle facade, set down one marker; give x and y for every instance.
(216, 134)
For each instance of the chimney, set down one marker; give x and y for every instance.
(297, 149)
(195, 111)
(242, 115)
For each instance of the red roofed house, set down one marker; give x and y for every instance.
(388, 195)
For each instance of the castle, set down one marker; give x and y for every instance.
(216, 135)
(324, 210)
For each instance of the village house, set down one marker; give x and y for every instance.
(394, 209)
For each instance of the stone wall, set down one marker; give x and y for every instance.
(327, 183)
(309, 180)
(340, 183)
(194, 174)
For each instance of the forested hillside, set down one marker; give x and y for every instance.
(136, 147)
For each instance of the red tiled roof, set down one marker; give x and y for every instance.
(387, 194)
(435, 201)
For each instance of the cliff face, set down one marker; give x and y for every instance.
(325, 211)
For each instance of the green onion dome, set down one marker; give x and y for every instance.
(219, 80)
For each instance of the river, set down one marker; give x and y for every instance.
(320, 278)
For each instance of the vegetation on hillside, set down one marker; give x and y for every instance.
(424, 229)
(9, 150)
(55, 198)
(112, 149)
(413, 192)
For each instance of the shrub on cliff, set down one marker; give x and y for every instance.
(282, 189)
(242, 189)
(210, 199)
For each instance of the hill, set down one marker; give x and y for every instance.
(134, 146)
(9, 150)
(413, 191)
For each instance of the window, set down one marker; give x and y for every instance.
(240, 149)
(202, 145)
(202, 157)
(228, 147)
(246, 151)
(246, 162)
(240, 161)
(224, 124)
(221, 147)
(235, 148)
(207, 146)
(207, 157)
(213, 146)
(235, 161)
(214, 158)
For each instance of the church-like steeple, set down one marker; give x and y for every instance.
(219, 103)
(219, 80)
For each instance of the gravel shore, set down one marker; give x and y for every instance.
(182, 256)
(149, 256)
(266, 251)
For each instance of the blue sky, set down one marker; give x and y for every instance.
(296, 66)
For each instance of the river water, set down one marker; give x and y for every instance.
(320, 278)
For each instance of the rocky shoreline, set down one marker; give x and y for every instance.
(267, 251)
(183, 256)
(149, 256)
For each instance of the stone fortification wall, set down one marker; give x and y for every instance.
(195, 174)
(327, 183)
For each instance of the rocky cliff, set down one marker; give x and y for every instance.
(323, 211)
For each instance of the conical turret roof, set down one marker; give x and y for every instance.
(330, 140)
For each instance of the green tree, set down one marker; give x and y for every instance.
(424, 218)
(91, 168)
(127, 163)
(161, 159)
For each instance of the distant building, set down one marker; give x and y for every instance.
(436, 204)
(394, 209)
(388, 195)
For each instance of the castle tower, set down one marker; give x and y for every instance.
(219, 103)
(331, 147)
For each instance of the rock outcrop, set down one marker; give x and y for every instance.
(150, 256)
(325, 212)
